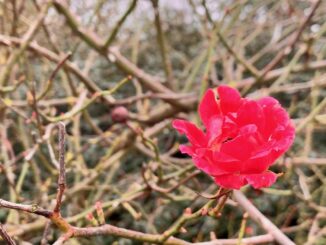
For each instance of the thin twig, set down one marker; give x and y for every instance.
(35, 209)
(46, 232)
(53, 74)
(62, 171)
(288, 49)
(5, 236)
(163, 46)
(117, 27)
(256, 215)
(4, 75)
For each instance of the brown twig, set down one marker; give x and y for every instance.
(44, 240)
(117, 27)
(114, 55)
(121, 232)
(5, 236)
(261, 239)
(163, 46)
(34, 209)
(256, 215)
(157, 188)
(216, 196)
(25, 42)
(288, 49)
(48, 54)
(62, 171)
(52, 76)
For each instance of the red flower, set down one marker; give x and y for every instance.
(243, 138)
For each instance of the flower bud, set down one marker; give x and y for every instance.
(249, 230)
(188, 211)
(90, 217)
(204, 211)
(120, 114)
(29, 98)
(99, 212)
(183, 230)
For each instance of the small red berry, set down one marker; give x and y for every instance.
(120, 114)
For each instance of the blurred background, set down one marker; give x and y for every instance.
(59, 59)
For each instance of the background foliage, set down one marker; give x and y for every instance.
(58, 56)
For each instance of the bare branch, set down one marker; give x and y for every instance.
(53, 74)
(117, 27)
(25, 41)
(256, 215)
(5, 236)
(62, 171)
(34, 209)
(288, 49)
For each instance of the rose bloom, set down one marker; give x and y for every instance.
(243, 137)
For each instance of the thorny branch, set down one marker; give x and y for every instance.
(75, 54)
(62, 171)
(5, 236)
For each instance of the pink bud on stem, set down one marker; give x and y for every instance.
(99, 212)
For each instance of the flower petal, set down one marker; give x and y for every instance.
(258, 163)
(267, 102)
(250, 112)
(284, 138)
(214, 129)
(204, 160)
(229, 130)
(230, 98)
(265, 179)
(194, 134)
(276, 116)
(208, 107)
(227, 163)
(243, 145)
(230, 181)
(186, 149)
